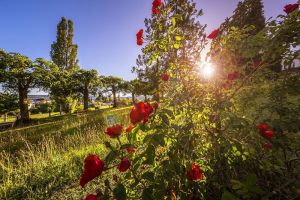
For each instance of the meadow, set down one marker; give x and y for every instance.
(41, 161)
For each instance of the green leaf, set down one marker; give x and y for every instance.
(228, 196)
(176, 46)
(178, 38)
(147, 194)
(173, 21)
(110, 157)
(148, 176)
(149, 155)
(120, 192)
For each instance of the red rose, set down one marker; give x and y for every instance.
(130, 150)
(91, 197)
(232, 76)
(262, 127)
(148, 108)
(135, 116)
(129, 128)
(268, 146)
(155, 5)
(155, 105)
(114, 131)
(165, 77)
(93, 167)
(139, 37)
(268, 134)
(290, 8)
(265, 131)
(194, 174)
(124, 165)
(214, 34)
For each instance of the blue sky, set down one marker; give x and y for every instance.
(104, 29)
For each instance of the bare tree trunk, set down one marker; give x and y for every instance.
(5, 117)
(133, 97)
(60, 108)
(23, 103)
(85, 98)
(114, 96)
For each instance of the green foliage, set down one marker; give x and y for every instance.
(63, 51)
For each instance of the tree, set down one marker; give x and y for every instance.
(86, 82)
(64, 55)
(63, 52)
(186, 42)
(8, 103)
(247, 13)
(19, 74)
(113, 85)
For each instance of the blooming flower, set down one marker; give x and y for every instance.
(114, 131)
(232, 76)
(124, 165)
(165, 77)
(140, 113)
(194, 174)
(135, 116)
(91, 197)
(265, 131)
(139, 37)
(130, 150)
(93, 167)
(268, 146)
(214, 34)
(129, 128)
(262, 127)
(290, 8)
(268, 134)
(155, 5)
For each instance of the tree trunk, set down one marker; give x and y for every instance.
(145, 96)
(85, 98)
(133, 97)
(60, 108)
(5, 117)
(114, 96)
(23, 103)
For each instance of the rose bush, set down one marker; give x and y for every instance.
(231, 137)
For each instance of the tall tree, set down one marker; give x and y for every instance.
(114, 85)
(247, 13)
(19, 74)
(64, 55)
(63, 51)
(86, 82)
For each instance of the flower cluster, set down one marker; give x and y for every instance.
(291, 8)
(195, 173)
(155, 7)
(141, 112)
(139, 37)
(266, 132)
(114, 131)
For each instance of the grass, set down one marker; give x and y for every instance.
(44, 161)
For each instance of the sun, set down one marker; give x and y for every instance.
(207, 70)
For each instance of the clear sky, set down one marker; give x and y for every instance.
(104, 29)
